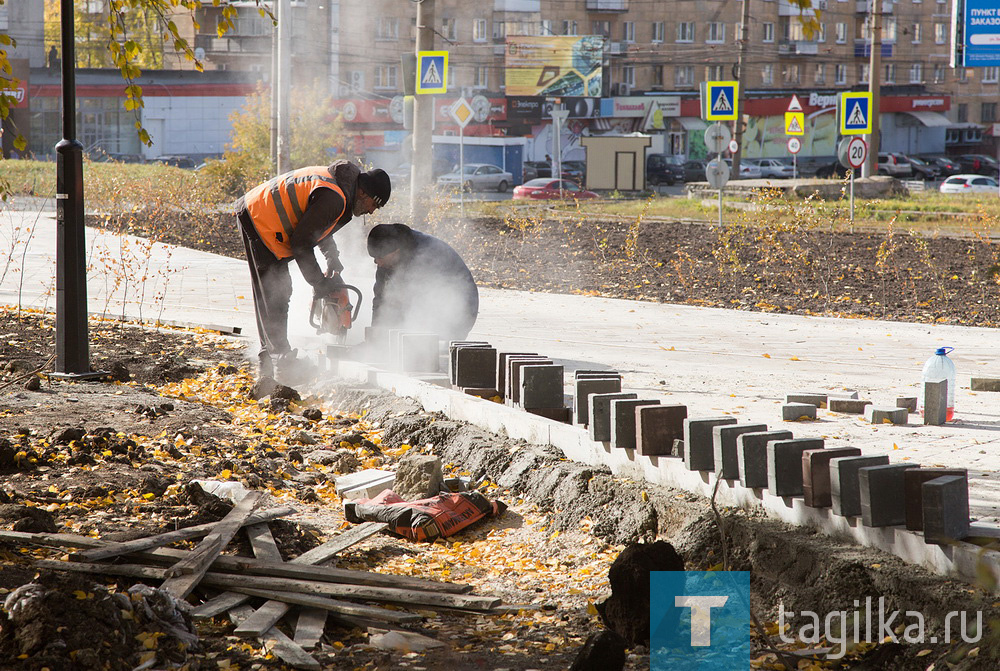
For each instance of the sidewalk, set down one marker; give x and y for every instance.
(714, 361)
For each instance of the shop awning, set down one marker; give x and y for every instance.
(691, 123)
(930, 119)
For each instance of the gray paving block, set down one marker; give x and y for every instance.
(946, 509)
(475, 366)
(844, 489)
(816, 474)
(623, 421)
(699, 445)
(812, 398)
(986, 384)
(584, 387)
(420, 352)
(847, 393)
(600, 414)
(784, 464)
(751, 453)
(577, 374)
(657, 427)
(513, 381)
(542, 386)
(936, 403)
(501, 374)
(724, 445)
(913, 481)
(885, 415)
(791, 412)
(453, 347)
(850, 406)
(881, 489)
(908, 402)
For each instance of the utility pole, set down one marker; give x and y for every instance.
(874, 85)
(422, 162)
(742, 105)
(274, 100)
(284, 85)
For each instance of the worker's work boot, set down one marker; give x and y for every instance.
(292, 371)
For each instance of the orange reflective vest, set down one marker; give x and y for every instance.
(276, 206)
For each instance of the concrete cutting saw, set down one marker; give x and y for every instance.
(333, 313)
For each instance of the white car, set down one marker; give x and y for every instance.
(969, 184)
(773, 167)
(748, 169)
(478, 177)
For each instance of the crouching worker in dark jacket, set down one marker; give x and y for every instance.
(421, 284)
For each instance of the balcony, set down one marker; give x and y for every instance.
(864, 6)
(617, 48)
(797, 48)
(607, 5)
(863, 49)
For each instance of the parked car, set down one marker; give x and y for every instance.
(748, 170)
(894, 165)
(546, 188)
(478, 177)
(832, 170)
(575, 171)
(537, 169)
(664, 169)
(969, 184)
(694, 170)
(176, 161)
(921, 169)
(772, 167)
(980, 164)
(945, 165)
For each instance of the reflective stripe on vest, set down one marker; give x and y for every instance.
(277, 206)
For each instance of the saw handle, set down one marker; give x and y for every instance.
(316, 312)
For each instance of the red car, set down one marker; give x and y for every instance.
(546, 188)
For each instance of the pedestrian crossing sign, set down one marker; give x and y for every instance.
(795, 123)
(855, 112)
(432, 72)
(720, 101)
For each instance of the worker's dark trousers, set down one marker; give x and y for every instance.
(272, 290)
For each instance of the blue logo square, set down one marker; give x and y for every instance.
(700, 621)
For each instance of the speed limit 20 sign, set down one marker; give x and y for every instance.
(852, 152)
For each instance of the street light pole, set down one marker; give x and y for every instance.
(874, 85)
(72, 346)
(741, 105)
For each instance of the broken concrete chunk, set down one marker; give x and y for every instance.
(418, 476)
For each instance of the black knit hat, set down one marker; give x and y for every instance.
(377, 185)
(384, 239)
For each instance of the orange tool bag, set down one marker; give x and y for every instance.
(425, 519)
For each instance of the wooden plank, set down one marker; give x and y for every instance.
(333, 605)
(219, 604)
(339, 543)
(188, 572)
(140, 544)
(309, 627)
(283, 647)
(262, 542)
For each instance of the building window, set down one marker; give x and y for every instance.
(939, 73)
(499, 30)
(840, 74)
(889, 25)
(684, 75)
(716, 33)
(890, 73)
(658, 32)
(768, 32)
(821, 34)
(602, 28)
(963, 112)
(482, 80)
(628, 31)
(767, 74)
(545, 27)
(685, 31)
(820, 73)
(388, 28)
(657, 75)
(991, 74)
(790, 73)
(386, 76)
(940, 33)
(963, 74)
(479, 31)
(863, 73)
(449, 29)
(713, 73)
(917, 33)
(791, 29)
(628, 75)
(916, 73)
(841, 33)
(989, 113)
(569, 28)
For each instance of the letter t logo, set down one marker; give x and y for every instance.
(701, 615)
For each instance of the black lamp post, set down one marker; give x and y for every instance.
(72, 346)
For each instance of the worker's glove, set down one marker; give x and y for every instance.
(328, 285)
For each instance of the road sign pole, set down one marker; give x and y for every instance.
(461, 168)
(852, 201)
(718, 158)
(422, 160)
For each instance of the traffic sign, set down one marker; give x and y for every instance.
(795, 123)
(720, 101)
(852, 152)
(461, 111)
(717, 173)
(717, 136)
(480, 108)
(855, 112)
(794, 105)
(432, 71)
(734, 146)
(794, 145)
